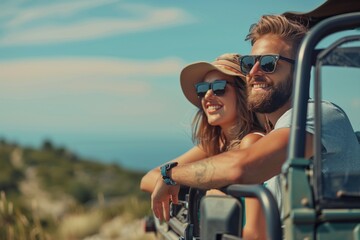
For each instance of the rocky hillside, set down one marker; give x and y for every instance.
(50, 193)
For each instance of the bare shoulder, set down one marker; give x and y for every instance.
(250, 139)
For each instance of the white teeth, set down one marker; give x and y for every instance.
(213, 107)
(260, 85)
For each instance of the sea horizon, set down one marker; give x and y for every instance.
(130, 152)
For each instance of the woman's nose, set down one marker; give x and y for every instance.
(209, 94)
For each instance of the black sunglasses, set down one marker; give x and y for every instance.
(267, 62)
(217, 86)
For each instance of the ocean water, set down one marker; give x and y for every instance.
(135, 153)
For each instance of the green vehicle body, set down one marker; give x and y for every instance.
(308, 214)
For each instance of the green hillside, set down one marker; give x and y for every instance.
(50, 193)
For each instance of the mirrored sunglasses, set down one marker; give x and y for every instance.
(267, 62)
(217, 86)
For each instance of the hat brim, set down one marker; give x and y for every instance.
(195, 73)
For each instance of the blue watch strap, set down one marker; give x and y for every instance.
(169, 181)
(164, 170)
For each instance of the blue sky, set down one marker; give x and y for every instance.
(111, 68)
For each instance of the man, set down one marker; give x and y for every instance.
(269, 69)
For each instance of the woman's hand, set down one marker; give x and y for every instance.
(161, 197)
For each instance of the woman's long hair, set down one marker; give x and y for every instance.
(212, 139)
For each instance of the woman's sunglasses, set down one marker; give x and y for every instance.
(267, 62)
(217, 86)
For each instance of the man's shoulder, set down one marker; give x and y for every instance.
(326, 106)
(329, 110)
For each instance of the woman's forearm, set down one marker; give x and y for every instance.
(148, 182)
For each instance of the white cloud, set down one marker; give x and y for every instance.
(140, 18)
(45, 67)
(82, 75)
(54, 10)
(90, 94)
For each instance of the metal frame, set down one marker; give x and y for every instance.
(302, 78)
(318, 183)
(268, 204)
(306, 217)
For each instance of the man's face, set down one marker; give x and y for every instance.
(267, 92)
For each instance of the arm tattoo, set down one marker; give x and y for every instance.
(204, 172)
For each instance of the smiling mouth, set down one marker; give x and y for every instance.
(213, 108)
(260, 86)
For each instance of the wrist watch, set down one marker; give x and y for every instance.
(164, 170)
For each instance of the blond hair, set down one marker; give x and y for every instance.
(211, 138)
(291, 31)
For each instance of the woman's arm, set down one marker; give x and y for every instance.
(149, 180)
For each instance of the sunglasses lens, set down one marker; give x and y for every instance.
(247, 63)
(218, 87)
(268, 63)
(201, 89)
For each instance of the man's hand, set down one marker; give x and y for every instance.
(160, 199)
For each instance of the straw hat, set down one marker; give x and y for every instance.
(194, 73)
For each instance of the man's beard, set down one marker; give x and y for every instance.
(272, 99)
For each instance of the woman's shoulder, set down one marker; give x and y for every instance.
(251, 138)
(262, 134)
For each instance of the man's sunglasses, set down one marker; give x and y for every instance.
(267, 62)
(217, 86)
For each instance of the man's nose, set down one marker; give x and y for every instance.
(255, 70)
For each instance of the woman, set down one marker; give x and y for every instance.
(222, 122)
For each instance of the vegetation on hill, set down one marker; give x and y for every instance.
(50, 193)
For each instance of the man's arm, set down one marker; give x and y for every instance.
(252, 165)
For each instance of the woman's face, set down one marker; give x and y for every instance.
(220, 110)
